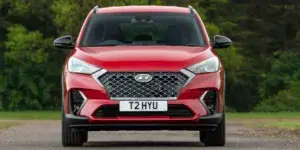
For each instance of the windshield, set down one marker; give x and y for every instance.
(142, 29)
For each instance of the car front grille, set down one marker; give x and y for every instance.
(123, 84)
(175, 111)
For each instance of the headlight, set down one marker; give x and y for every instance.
(78, 66)
(209, 65)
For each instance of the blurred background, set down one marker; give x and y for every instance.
(262, 68)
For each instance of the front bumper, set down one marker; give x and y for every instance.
(91, 107)
(205, 123)
(189, 96)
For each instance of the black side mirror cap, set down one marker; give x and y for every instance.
(64, 42)
(221, 42)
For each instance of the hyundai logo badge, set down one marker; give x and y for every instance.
(143, 78)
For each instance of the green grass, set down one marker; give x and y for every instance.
(283, 120)
(5, 125)
(280, 115)
(31, 115)
(56, 115)
(267, 120)
(279, 124)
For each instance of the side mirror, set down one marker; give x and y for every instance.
(64, 42)
(221, 41)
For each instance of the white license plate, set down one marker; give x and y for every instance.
(143, 106)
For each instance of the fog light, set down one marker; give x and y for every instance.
(209, 100)
(77, 100)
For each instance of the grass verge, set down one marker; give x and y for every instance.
(31, 115)
(281, 120)
(5, 124)
(279, 115)
(56, 115)
(292, 125)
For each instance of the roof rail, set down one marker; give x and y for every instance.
(191, 9)
(95, 8)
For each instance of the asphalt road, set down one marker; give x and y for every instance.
(45, 135)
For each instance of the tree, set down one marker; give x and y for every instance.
(261, 67)
(27, 75)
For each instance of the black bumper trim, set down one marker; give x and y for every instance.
(205, 123)
(211, 119)
(72, 119)
(144, 127)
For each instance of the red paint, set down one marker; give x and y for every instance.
(131, 9)
(143, 59)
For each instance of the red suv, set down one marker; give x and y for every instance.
(143, 68)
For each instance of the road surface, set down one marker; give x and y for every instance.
(45, 135)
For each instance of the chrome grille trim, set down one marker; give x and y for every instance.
(189, 74)
(84, 101)
(98, 74)
(202, 101)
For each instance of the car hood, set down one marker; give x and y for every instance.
(143, 58)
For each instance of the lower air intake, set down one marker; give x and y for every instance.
(76, 101)
(175, 111)
(210, 99)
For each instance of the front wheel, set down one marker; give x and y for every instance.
(71, 138)
(85, 136)
(216, 137)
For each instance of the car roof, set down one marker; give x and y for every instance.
(152, 8)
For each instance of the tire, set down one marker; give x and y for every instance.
(69, 137)
(217, 137)
(84, 136)
(202, 135)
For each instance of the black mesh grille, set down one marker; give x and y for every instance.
(173, 111)
(76, 96)
(124, 85)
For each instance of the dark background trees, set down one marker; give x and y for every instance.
(263, 67)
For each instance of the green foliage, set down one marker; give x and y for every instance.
(19, 49)
(281, 84)
(212, 30)
(26, 75)
(64, 10)
(262, 68)
(284, 100)
(282, 66)
(236, 94)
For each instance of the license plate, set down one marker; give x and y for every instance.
(143, 106)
